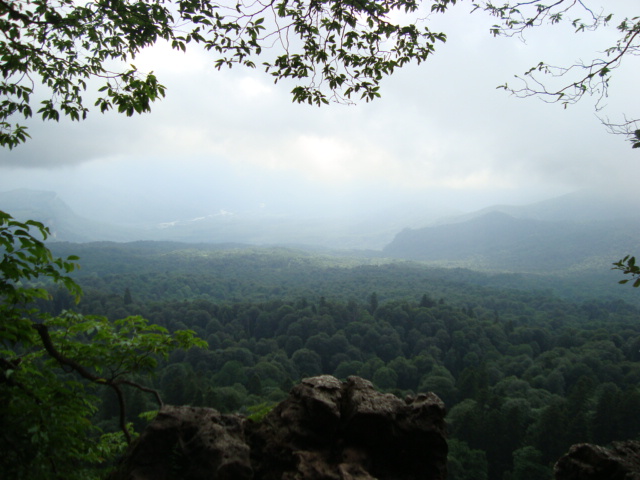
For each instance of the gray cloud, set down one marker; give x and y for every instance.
(440, 127)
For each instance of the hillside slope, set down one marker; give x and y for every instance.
(53, 212)
(498, 241)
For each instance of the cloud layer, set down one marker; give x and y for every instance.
(440, 127)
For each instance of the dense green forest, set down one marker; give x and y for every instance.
(163, 270)
(525, 367)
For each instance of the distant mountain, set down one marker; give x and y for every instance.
(577, 207)
(252, 228)
(64, 224)
(570, 233)
(576, 231)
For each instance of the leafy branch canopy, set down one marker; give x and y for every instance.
(336, 49)
(49, 365)
(582, 78)
(628, 266)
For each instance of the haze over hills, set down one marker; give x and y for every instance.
(571, 233)
(255, 227)
(577, 207)
(498, 241)
(575, 232)
(66, 225)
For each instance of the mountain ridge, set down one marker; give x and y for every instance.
(582, 206)
(221, 227)
(498, 241)
(64, 224)
(573, 232)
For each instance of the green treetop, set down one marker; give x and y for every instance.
(50, 366)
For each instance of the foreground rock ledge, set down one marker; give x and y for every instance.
(590, 462)
(326, 429)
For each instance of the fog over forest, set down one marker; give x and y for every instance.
(447, 237)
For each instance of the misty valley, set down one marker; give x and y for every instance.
(524, 372)
(517, 325)
(437, 284)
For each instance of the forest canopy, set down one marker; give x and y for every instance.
(527, 359)
(516, 364)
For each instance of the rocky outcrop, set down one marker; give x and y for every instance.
(188, 443)
(591, 462)
(326, 429)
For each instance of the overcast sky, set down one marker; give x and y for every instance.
(441, 135)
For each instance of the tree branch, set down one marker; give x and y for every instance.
(113, 383)
(154, 392)
(43, 332)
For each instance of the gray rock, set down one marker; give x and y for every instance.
(591, 462)
(332, 430)
(188, 443)
(324, 430)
